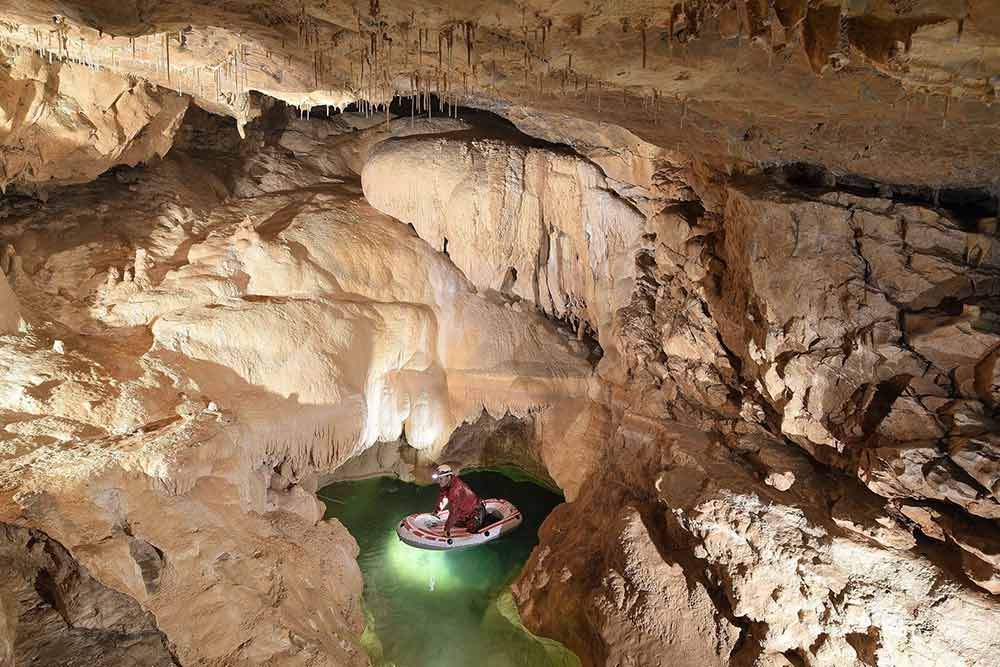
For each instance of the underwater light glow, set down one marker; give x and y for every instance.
(440, 608)
(437, 571)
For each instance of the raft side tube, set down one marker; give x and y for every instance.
(426, 531)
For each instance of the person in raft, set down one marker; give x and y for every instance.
(465, 509)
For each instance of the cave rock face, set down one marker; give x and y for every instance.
(66, 123)
(10, 319)
(192, 361)
(869, 327)
(725, 273)
(55, 612)
(534, 223)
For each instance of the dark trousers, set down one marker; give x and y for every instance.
(476, 520)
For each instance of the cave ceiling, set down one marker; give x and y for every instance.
(894, 90)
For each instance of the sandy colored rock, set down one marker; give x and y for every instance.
(10, 310)
(891, 72)
(532, 223)
(78, 122)
(620, 596)
(200, 408)
(730, 281)
(58, 613)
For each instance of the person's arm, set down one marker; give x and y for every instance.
(450, 523)
(442, 498)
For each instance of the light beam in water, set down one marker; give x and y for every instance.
(439, 571)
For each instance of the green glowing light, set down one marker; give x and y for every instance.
(441, 608)
(439, 571)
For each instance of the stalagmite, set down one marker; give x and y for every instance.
(112, 279)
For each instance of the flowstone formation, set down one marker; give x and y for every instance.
(857, 328)
(226, 353)
(725, 273)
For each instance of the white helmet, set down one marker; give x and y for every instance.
(442, 471)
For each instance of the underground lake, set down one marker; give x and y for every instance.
(443, 608)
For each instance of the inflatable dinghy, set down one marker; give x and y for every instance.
(426, 531)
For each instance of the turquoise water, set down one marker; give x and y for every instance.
(443, 608)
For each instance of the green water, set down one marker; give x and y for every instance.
(443, 608)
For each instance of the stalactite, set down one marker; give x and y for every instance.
(642, 30)
(470, 31)
(675, 13)
(449, 39)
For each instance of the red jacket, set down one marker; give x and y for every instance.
(461, 503)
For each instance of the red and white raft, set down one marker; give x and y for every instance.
(426, 531)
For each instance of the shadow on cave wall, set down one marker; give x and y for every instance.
(55, 613)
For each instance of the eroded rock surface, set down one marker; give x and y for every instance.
(55, 612)
(213, 363)
(529, 222)
(68, 124)
(848, 85)
(714, 289)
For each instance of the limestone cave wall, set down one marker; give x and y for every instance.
(726, 273)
